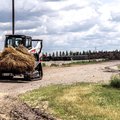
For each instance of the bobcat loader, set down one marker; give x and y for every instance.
(34, 47)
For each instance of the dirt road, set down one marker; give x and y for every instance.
(60, 75)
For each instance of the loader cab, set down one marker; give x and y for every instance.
(16, 40)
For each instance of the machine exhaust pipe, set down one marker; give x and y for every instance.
(13, 17)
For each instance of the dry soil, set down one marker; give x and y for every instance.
(60, 75)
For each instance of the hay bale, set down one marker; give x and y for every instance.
(17, 60)
(22, 49)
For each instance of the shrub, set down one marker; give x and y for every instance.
(54, 65)
(66, 64)
(115, 81)
(43, 65)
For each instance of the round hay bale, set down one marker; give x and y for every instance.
(17, 59)
(7, 51)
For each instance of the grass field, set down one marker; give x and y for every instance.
(70, 63)
(84, 62)
(77, 102)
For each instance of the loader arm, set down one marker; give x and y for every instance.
(36, 50)
(39, 45)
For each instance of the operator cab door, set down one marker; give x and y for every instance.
(28, 43)
(18, 41)
(9, 42)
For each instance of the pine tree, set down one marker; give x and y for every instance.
(80, 53)
(60, 54)
(53, 54)
(71, 53)
(66, 53)
(83, 53)
(77, 53)
(49, 54)
(56, 53)
(63, 53)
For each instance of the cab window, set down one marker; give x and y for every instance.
(10, 42)
(28, 43)
(18, 41)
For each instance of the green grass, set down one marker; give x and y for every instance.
(84, 62)
(79, 63)
(115, 81)
(43, 65)
(77, 102)
(54, 65)
(118, 67)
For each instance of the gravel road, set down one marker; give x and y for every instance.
(60, 75)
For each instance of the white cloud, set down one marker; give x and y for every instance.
(66, 24)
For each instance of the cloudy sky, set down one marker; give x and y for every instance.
(65, 24)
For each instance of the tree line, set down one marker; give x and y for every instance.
(84, 55)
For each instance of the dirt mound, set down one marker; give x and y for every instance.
(14, 109)
(17, 60)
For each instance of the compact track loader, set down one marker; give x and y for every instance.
(34, 47)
